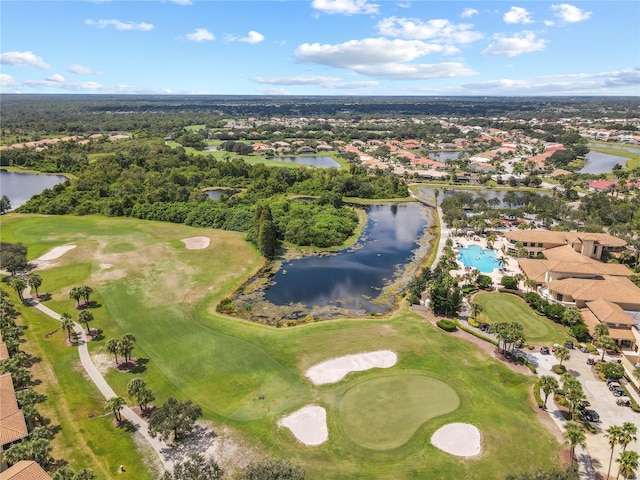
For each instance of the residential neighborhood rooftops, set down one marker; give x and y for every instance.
(25, 470)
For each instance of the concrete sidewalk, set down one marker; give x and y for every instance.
(96, 377)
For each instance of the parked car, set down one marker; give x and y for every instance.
(624, 402)
(612, 380)
(591, 361)
(613, 384)
(569, 344)
(544, 350)
(617, 391)
(591, 415)
(583, 348)
(554, 347)
(484, 327)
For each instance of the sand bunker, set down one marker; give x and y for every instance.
(336, 369)
(460, 439)
(196, 243)
(309, 425)
(54, 253)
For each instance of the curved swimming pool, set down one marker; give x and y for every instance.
(483, 259)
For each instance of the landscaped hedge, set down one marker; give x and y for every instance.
(536, 394)
(522, 295)
(447, 325)
(559, 369)
(477, 335)
(526, 362)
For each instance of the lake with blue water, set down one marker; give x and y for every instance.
(20, 187)
(349, 282)
(315, 161)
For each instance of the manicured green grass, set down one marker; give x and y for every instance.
(192, 128)
(165, 295)
(385, 412)
(502, 307)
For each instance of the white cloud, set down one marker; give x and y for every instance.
(569, 13)
(469, 12)
(322, 81)
(7, 81)
(526, 87)
(252, 37)
(81, 70)
(345, 7)
(436, 29)
(398, 71)
(525, 42)
(73, 86)
(368, 51)
(182, 2)
(56, 77)
(23, 59)
(629, 76)
(404, 4)
(200, 35)
(275, 91)
(517, 15)
(119, 25)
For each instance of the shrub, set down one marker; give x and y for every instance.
(559, 369)
(469, 289)
(529, 365)
(581, 332)
(478, 335)
(536, 394)
(612, 370)
(484, 281)
(447, 325)
(509, 283)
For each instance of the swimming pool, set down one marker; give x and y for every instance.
(483, 259)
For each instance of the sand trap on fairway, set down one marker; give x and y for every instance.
(196, 243)
(336, 369)
(54, 253)
(461, 439)
(309, 424)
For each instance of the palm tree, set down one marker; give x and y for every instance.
(115, 404)
(530, 283)
(18, 284)
(572, 316)
(601, 330)
(67, 324)
(628, 434)
(491, 239)
(85, 317)
(76, 294)
(628, 464)
(476, 308)
(113, 346)
(613, 434)
(85, 291)
(126, 346)
(605, 342)
(519, 277)
(548, 385)
(574, 433)
(562, 353)
(436, 193)
(34, 280)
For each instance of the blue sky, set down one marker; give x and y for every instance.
(321, 47)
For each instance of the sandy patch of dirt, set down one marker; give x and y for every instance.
(196, 243)
(308, 425)
(460, 439)
(103, 362)
(53, 254)
(336, 369)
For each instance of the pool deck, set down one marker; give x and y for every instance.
(462, 241)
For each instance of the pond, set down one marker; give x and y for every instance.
(597, 163)
(20, 187)
(316, 161)
(217, 193)
(487, 194)
(444, 156)
(393, 244)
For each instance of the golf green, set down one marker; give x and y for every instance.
(385, 412)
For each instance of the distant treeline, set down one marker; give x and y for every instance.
(152, 181)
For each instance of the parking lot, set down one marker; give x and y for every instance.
(601, 400)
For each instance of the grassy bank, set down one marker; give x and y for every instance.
(246, 376)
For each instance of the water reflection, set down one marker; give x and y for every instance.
(348, 281)
(597, 163)
(314, 161)
(20, 187)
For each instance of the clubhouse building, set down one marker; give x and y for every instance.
(567, 269)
